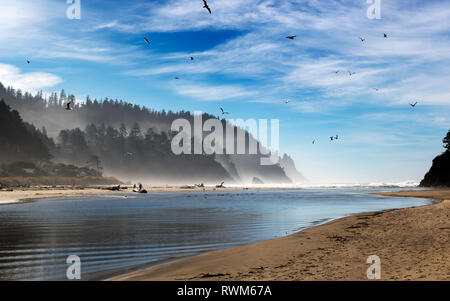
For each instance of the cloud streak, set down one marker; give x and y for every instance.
(30, 82)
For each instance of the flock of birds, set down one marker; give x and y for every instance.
(70, 105)
(350, 73)
(377, 89)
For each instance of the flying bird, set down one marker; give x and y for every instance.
(337, 71)
(337, 137)
(223, 112)
(176, 78)
(286, 101)
(148, 42)
(376, 89)
(351, 73)
(314, 141)
(331, 138)
(192, 58)
(28, 61)
(385, 35)
(362, 39)
(206, 6)
(413, 104)
(291, 37)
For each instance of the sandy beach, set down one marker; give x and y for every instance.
(412, 243)
(21, 194)
(24, 194)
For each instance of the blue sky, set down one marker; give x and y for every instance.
(244, 63)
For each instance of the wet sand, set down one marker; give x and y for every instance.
(412, 243)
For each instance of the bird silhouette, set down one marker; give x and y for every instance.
(192, 58)
(28, 61)
(385, 35)
(376, 89)
(413, 104)
(206, 6)
(176, 78)
(148, 42)
(362, 39)
(223, 112)
(337, 71)
(314, 141)
(337, 137)
(331, 138)
(287, 101)
(351, 73)
(69, 106)
(291, 37)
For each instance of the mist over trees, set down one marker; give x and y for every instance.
(19, 141)
(25, 157)
(136, 155)
(50, 112)
(132, 142)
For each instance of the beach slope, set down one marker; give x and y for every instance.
(412, 243)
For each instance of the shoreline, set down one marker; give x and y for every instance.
(20, 195)
(412, 244)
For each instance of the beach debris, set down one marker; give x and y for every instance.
(187, 187)
(338, 238)
(208, 275)
(115, 188)
(221, 185)
(69, 106)
(139, 188)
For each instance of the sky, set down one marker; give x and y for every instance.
(244, 63)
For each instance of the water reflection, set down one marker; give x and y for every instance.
(113, 235)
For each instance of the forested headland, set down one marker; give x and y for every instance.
(124, 140)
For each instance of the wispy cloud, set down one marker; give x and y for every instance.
(115, 25)
(31, 81)
(327, 40)
(211, 92)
